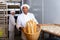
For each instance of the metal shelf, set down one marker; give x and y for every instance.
(3, 21)
(13, 4)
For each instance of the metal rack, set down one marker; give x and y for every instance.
(14, 6)
(3, 22)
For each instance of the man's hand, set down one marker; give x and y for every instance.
(38, 25)
(21, 28)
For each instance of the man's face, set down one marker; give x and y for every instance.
(25, 9)
(13, 13)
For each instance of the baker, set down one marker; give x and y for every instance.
(24, 17)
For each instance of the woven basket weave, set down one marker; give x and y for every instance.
(33, 36)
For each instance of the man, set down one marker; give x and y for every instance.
(11, 25)
(24, 17)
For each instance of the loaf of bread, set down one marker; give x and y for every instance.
(31, 27)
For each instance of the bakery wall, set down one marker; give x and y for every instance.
(51, 11)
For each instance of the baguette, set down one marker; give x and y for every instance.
(31, 27)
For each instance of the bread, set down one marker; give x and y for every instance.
(31, 27)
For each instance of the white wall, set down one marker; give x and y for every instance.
(52, 11)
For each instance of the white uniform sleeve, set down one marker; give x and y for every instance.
(18, 22)
(12, 20)
(34, 18)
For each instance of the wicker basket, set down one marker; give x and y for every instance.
(33, 36)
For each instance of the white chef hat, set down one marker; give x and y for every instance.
(25, 5)
(12, 11)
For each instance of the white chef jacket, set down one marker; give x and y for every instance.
(11, 22)
(22, 19)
